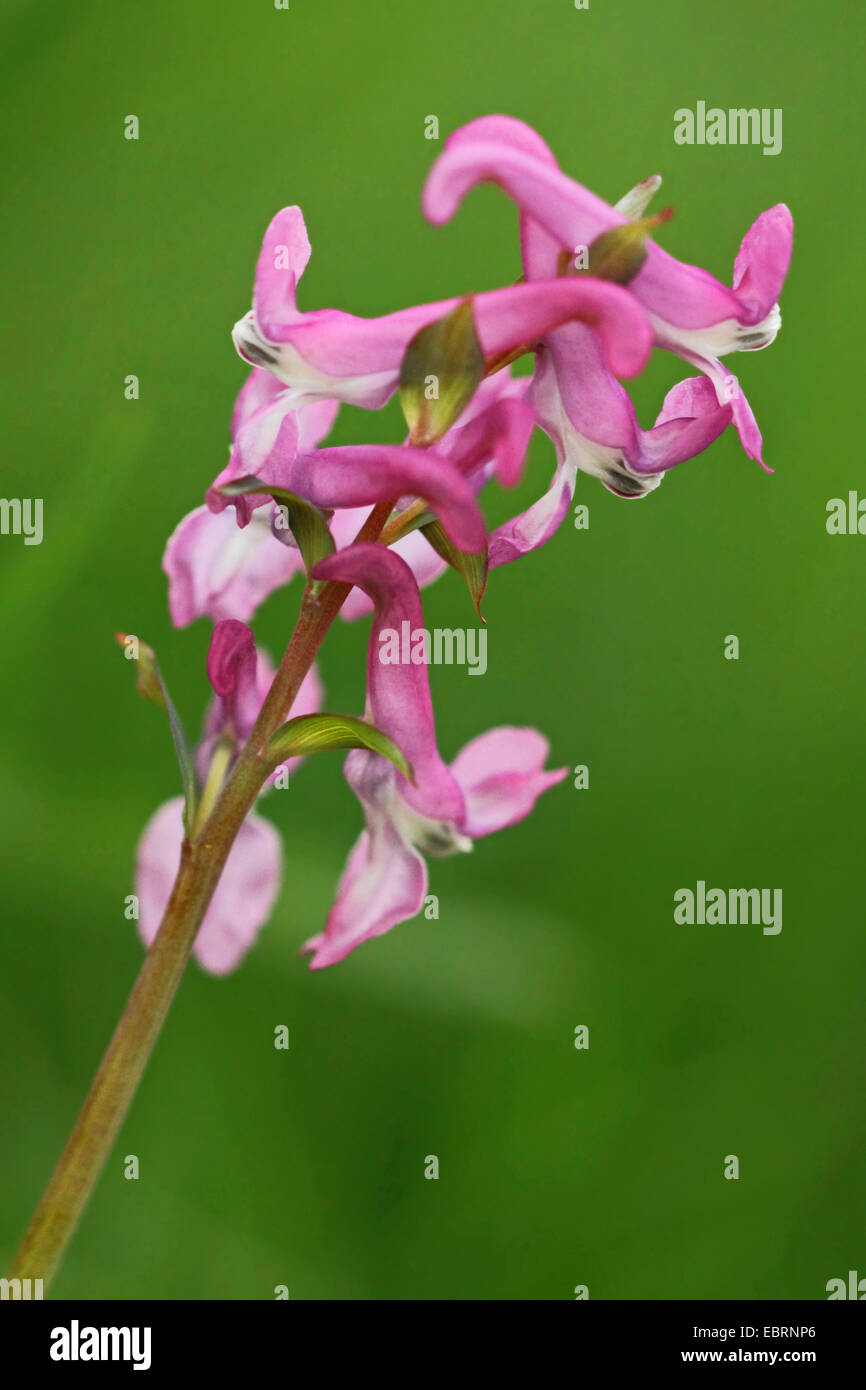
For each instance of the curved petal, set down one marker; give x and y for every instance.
(422, 560)
(244, 895)
(266, 440)
(260, 388)
(730, 393)
(500, 434)
(681, 295)
(383, 884)
(502, 775)
(231, 659)
(340, 356)
(690, 419)
(763, 259)
(360, 474)
(398, 691)
(282, 261)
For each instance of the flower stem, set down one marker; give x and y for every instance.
(202, 860)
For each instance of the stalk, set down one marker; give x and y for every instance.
(202, 860)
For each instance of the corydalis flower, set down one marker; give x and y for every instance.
(494, 781)
(688, 306)
(580, 405)
(330, 355)
(214, 570)
(250, 881)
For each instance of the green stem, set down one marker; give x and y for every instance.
(202, 860)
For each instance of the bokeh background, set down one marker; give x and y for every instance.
(451, 1037)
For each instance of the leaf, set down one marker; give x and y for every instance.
(152, 687)
(319, 733)
(306, 522)
(473, 568)
(442, 368)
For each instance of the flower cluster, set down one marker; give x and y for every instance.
(596, 295)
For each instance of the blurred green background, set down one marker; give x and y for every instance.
(455, 1037)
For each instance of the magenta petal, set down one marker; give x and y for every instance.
(282, 261)
(763, 259)
(525, 313)
(422, 560)
(398, 693)
(259, 389)
(730, 393)
(360, 474)
(535, 526)
(267, 437)
(244, 895)
(499, 435)
(680, 294)
(502, 775)
(690, 420)
(231, 658)
(265, 447)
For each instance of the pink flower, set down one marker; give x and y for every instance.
(493, 782)
(247, 890)
(244, 896)
(331, 355)
(269, 425)
(216, 570)
(578, 401)
(689, 307)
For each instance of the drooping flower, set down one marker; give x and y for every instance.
(248, 886)
(244, 896)
(493, 782)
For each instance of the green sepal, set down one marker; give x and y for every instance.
(318, 733)
(152, 687)
(619, 254)
(446, 358)
(472, 568)
(305, 521)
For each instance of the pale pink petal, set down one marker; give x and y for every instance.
(243, 898)
(502, 775)
(383, 884)
(216, 570)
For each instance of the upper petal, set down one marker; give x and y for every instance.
(681, 295)
(398, 693)
(502, 775)
(360, 474)
(282, 261)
